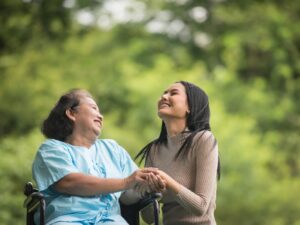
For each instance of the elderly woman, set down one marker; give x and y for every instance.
(81, 176)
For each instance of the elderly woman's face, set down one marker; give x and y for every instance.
(173, 102)
(87, 117)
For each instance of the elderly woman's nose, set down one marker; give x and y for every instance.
(100, 116)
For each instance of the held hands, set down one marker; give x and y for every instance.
(151, 180)
(146, 180)
(160, 182)
(139, 177)
(156, 183)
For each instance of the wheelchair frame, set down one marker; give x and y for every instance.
(35, 200)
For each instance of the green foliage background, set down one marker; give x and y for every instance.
(250, 69)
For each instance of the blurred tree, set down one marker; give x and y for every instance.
(15, 163)
(21, 21)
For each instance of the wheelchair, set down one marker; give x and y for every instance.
(35, 200)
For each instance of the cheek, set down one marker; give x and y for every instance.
(180, 110)
(184, 105)
(183, 109)
(183, 112)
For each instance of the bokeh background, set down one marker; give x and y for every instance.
(244, 53)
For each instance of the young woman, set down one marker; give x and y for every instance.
(186, 152)
(81, 176)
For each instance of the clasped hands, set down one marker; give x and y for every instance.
(148, 180)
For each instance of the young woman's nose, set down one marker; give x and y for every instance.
(164, 96)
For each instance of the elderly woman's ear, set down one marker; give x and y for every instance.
(70, 114)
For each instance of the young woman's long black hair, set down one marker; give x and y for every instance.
(197, 120)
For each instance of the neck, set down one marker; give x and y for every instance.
(80, 141)
(175, 127)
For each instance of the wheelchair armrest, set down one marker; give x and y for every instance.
(35, 200)
(148, 199)
(131, 212)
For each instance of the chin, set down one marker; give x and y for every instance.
(162, 115)
(97, 133)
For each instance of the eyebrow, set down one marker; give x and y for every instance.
(92, 104)
(173, 89)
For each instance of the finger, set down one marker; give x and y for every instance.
(156, 183)
(161, 181)
(142, 175)
(160, 184)
(150, 169)
(151, 182)
(150, 185)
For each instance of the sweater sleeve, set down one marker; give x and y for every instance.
(206, 150)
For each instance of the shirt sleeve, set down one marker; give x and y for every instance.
(198, 201)
(128, 166)
(52, 162)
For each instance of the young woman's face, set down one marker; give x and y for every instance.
(173, 103)
(88, 118)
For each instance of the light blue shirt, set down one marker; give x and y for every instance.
(56, 159)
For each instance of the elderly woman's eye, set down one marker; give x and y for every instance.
(95, 107)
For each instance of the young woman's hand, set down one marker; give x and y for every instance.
(156, 183)
(170, 183)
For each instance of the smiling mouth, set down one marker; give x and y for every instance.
(163, 105)
(99, 122)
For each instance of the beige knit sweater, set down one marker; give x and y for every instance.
(196, 201)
